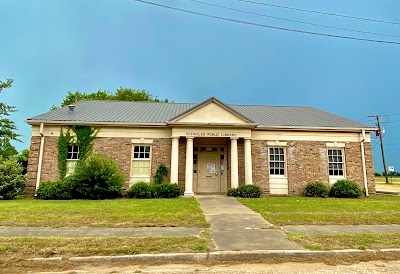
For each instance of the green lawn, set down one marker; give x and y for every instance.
(347, 241)
(183, 212)
(54, 246)
(319, 211)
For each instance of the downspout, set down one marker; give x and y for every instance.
(39, 171)
(363, 163)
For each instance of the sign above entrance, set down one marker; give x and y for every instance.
(210, 134)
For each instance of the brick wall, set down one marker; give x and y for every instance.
(306, 162)
(161, 154)
(259, 154)
(120, 149)
(182, 162)
(354, 169)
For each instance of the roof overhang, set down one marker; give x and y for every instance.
(112, 124)
(300, 128)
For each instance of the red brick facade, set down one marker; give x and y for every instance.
(306, 161)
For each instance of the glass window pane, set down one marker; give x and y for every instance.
(329, 151)
(136, 149)
(271, 157)
(276, 150)
(271, 151)
(281, 150)
(282, 158)
(282, 165)
(282, 172)
(339, 152)
(276, 157)
(335, 152)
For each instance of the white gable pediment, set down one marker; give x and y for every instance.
(211, 113)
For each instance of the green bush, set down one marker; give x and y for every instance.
(166, 190)
(98, 177)
(246, 191)
(161, 173)
(140, 190)
(316, 189)
(377, 174)
(12, 181)
(58, 190)
(232, 192)
(345, 189)
(143, 190)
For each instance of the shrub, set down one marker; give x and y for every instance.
(12, 182)
(161, 173)
(377, 174)
(166, 190)
(345, 189)
(246, 191)
(140, 190)
(316, 189)
(98, 177)
(232, 192)
(58, 190)
(143, 190)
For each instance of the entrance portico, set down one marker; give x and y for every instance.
(211, 163)
(211, 131)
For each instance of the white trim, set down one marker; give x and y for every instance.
(277, 143)
(41, 151)
(141, 141)
(336, 145)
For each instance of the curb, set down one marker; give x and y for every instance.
(224, 256)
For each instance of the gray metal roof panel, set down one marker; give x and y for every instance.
(158, 112)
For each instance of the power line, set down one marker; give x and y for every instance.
(290, 20)
(322, 12)
(268, 26)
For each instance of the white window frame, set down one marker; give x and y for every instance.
(333, 178)
(134, 178)
(71, 162)
(274, 161)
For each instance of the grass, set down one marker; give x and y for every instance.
(54, 246)
(347, 241)
(394, 183)
(319, 211)
(183, 212)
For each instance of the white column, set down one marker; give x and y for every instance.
(189, 168)
(248, 169)
(174, 160)
(234, 164)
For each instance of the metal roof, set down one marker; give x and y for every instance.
(93, 111)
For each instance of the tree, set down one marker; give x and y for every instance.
(22, 159)
(6, 148)
(121, 94)
(7, 127)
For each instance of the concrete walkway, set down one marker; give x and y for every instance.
(236, 227)
(78, 232)
(340, 229)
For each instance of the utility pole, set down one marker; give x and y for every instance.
(378, 123)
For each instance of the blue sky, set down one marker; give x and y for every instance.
(50, 47)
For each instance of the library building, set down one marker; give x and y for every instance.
(211, 146)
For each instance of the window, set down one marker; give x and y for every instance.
(141, 161)
(277, 161)
(72, 158)
(335, 159)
